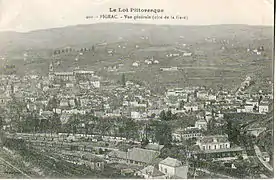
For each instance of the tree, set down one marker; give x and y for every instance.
(163, 116)
(1, 122)
(130, 129)
(15, 113)
(144, 142)
(233, 132)
(101, 151)
(123, 80)
(93, 48)
(55, 123)
(163, 133)
(169, 115)
(53, 102)
(153, 115)
(181, 104)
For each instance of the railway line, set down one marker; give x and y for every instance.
(8, 170)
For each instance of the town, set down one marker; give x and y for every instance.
(79, 121)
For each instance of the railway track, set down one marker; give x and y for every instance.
(8, 166)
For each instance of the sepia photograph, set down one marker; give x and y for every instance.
(125, 89)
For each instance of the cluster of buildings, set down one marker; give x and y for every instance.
(151, 165)
(83, 92)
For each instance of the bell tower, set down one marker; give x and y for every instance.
(51, 72)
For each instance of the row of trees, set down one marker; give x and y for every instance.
(167, 116)
(31, 123)
(157, 131)
(86, 124)
(89, 124)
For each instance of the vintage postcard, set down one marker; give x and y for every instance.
(148, 89)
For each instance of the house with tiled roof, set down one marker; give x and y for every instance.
(187, 133)
(154, 146)
(264, 108)
(141, 156)
(118, 156)
(213, 142)
(201, 124)
(173, 168)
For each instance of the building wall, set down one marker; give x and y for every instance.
(168, 170)
(192, 135)
(214, 146)
(201, 125)
(96, 84)
(181, 172)
(135, 162)
(248, 108)
(135, 115)
(176, 136)
(263, 109)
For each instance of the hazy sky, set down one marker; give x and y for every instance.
(26, 15)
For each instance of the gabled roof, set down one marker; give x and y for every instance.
(118, 154)
(142, 155)
(171, 162)
(91, 158)
(214, 139)
(155, 147)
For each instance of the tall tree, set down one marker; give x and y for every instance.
(163, 116)
(1, 122)
(123, 80)
(181, 104)
(55, 123)
(163, 133)
(169, 115)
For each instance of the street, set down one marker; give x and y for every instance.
(259, 155)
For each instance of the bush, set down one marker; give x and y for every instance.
(101, 151)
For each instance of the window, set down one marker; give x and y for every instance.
(165, 170)
(220, 146)
(203, 147)
(209, 147)
(215, 146)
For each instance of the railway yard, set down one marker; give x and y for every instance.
(52, 158)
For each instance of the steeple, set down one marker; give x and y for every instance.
(51, 72)
(51, 67)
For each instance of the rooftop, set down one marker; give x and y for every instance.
(171, 162)
(155, 147)
(209, 151)
(214, 139)
(118, 154)
(142, 155)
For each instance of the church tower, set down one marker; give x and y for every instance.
(51, 72)
(51, 67)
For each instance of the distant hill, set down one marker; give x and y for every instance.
(82, 35)
(220, 52)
